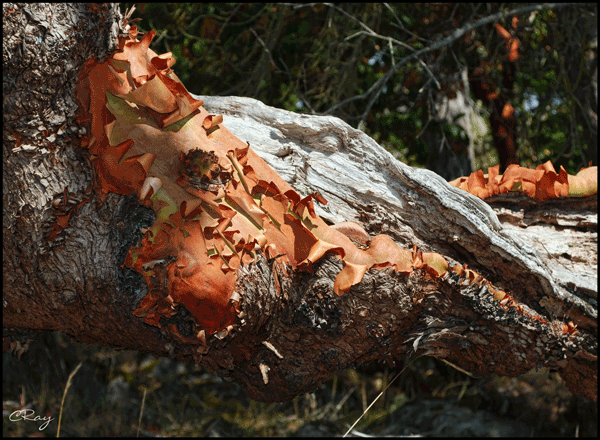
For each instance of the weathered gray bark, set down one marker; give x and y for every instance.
(67, 284)
(364, 183)
(287, 344)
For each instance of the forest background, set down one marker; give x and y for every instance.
(336, 60)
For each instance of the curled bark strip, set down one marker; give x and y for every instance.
(543, 183)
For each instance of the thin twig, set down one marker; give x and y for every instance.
(437, 83)
(401, 26)
(264, 47)
(456, 367)
(162, 34)
(302, 98)
(368, 30)
(376, 35)
(379, 395)
(62, 402)
(141, 412)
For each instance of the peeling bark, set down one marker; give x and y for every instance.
(295, 331)
(364, 183)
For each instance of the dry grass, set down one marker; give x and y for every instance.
(128, 394)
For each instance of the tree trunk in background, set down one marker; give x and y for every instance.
(452, 150)
(584, 77)
(288, 344)
(503, 121)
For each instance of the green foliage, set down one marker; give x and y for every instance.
(311, 58)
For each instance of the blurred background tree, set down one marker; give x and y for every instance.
(453, 87)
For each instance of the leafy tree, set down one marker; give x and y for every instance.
(311, 58)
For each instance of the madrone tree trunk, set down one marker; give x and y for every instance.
(65, 248)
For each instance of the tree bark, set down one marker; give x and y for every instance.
(295, 331)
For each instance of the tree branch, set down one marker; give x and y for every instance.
(286, 324)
